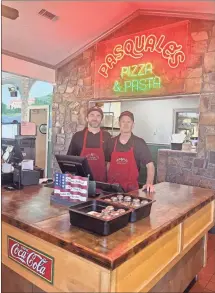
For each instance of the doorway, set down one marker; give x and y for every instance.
(40, 116)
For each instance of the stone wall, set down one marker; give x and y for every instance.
(74, 88)
(75, 84)
(188, 168)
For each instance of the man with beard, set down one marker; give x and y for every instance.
(126, 153)
(91, 143)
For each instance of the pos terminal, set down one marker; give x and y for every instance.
(12, 155)
(18, 177)
(79, 166)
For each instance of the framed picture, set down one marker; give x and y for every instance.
(186, 121)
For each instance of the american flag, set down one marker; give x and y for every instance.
(60, 186)
(72, 188)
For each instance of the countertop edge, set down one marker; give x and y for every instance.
(193, 153)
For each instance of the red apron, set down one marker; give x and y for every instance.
(95, 158)
(123, 169)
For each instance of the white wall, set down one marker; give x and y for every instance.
(154, 118)
(113, 107)
(21, 67)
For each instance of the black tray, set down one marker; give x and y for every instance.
(136, 213)
(80, 218)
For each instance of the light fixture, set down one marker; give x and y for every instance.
(13, 91)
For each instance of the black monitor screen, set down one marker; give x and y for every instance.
(74, 165)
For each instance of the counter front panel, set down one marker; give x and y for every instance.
(136, 258)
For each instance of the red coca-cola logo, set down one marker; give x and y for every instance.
(34, 260)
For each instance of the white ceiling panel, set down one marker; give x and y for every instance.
(79, 22)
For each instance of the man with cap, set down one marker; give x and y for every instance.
(91, 143)
(126, 153)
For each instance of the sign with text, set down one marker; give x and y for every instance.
(142, 63)
(32, 259)
(28, 128)
(70, 187)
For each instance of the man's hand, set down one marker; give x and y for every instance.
(148, 188)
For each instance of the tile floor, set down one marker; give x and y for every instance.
(206, 278)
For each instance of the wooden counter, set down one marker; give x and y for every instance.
(144, 256)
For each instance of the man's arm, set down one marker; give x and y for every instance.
(146, 160)
(73, 149)
(150, 173)
(150, 177)
(108, 165)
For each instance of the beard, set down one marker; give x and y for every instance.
(94, 124)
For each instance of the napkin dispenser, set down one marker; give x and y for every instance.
(177, 140)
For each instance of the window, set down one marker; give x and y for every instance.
(187, 121)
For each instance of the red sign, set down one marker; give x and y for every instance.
(141, 63)
(32, 259)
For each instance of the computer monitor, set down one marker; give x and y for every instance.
(74, 165)
(10, 130)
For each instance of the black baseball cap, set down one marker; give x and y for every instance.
(95, 109)
(127, 113)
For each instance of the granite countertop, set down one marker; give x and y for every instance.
(31, 211)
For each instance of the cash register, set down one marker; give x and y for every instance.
(9, 131)
(12, 155)
(18, 177)
(79, 166)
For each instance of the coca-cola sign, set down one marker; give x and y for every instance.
(34, 260)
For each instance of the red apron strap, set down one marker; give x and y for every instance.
(85, 139)
(101, 140)
(114, 149)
